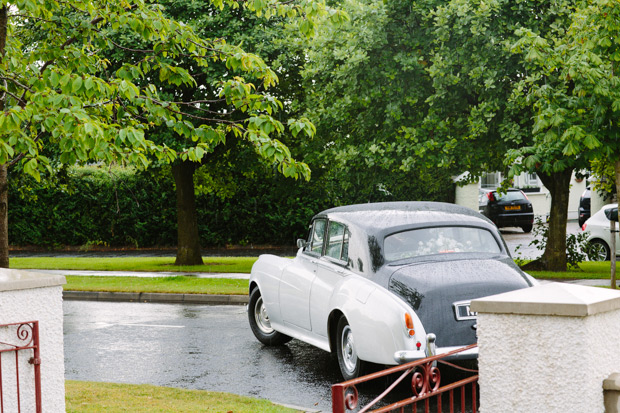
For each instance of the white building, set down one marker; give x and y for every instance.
(538, 195)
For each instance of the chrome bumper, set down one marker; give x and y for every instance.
(405, 356)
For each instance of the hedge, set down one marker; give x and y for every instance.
(122, 207)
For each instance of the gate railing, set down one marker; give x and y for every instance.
(18, 338)
(425, 384)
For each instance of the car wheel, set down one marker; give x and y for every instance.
(259, 322)
(350, 365)
(527, 228)
(598, 251)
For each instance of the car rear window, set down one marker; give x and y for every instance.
(509, 196)
(438, 240)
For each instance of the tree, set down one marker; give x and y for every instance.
(577, 114)
(236, 26)
(205, 105)
(363, 81)
(58, 89)
(479, 111)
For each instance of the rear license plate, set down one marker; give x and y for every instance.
(512, 208)
(462, 311)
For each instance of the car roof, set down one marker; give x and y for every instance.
(380, 216)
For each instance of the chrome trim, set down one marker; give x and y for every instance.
(431, 348)
(465, 306)
(406, 356)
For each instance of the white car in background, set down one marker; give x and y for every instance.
(599, 234)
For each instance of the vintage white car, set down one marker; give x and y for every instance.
(384, 283)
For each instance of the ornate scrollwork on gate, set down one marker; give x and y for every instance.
(23, 336)
(425, 381)
(425, 384)
(351, 397)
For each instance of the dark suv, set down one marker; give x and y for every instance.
(584, 207)
(509, 209)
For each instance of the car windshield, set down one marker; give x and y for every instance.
(438, 240)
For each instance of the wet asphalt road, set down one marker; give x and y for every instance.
(515, 237)
(199, 347)
(192, 347)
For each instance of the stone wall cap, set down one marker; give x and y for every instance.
(555, 299)
(11, 279)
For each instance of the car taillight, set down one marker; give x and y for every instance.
(409, 324)
(583, 227)
(490, 196)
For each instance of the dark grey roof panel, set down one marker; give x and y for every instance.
(396, 214)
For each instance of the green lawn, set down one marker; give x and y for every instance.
(84, 396)
(180, 284)
(212, 264)
(586, 270)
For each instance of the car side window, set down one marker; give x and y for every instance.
(317, 235)
(338, 241)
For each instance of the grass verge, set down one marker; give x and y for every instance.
(189, 285)
(586, 270)
(84, 396)
(179, 284)
(154, 264)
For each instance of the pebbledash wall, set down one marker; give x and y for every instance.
(548, 349)
(29, 296)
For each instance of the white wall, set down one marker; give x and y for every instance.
(576, 190)
(547, 348)
(519, 377)
(541, 203)
(467, 196)
(26, 296)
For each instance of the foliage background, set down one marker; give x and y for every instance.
(124, 207)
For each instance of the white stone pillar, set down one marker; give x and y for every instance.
(29, 296)
(466, 195)
(547, 348)
(596, 202)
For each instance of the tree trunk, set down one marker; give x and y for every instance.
(4, 187)
(558, 184)
(188, 240)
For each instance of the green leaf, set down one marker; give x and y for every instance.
(54, 79)
(76, 85)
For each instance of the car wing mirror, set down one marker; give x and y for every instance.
(301, 243)
(612, 214)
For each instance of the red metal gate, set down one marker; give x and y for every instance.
(425, 384)
(17, 339)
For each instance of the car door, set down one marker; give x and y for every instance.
(296, 281)
(331, 270)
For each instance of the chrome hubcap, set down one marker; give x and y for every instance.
(349, 356)
(261, 317)
(598, 252)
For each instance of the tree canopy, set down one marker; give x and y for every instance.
(60, 90)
